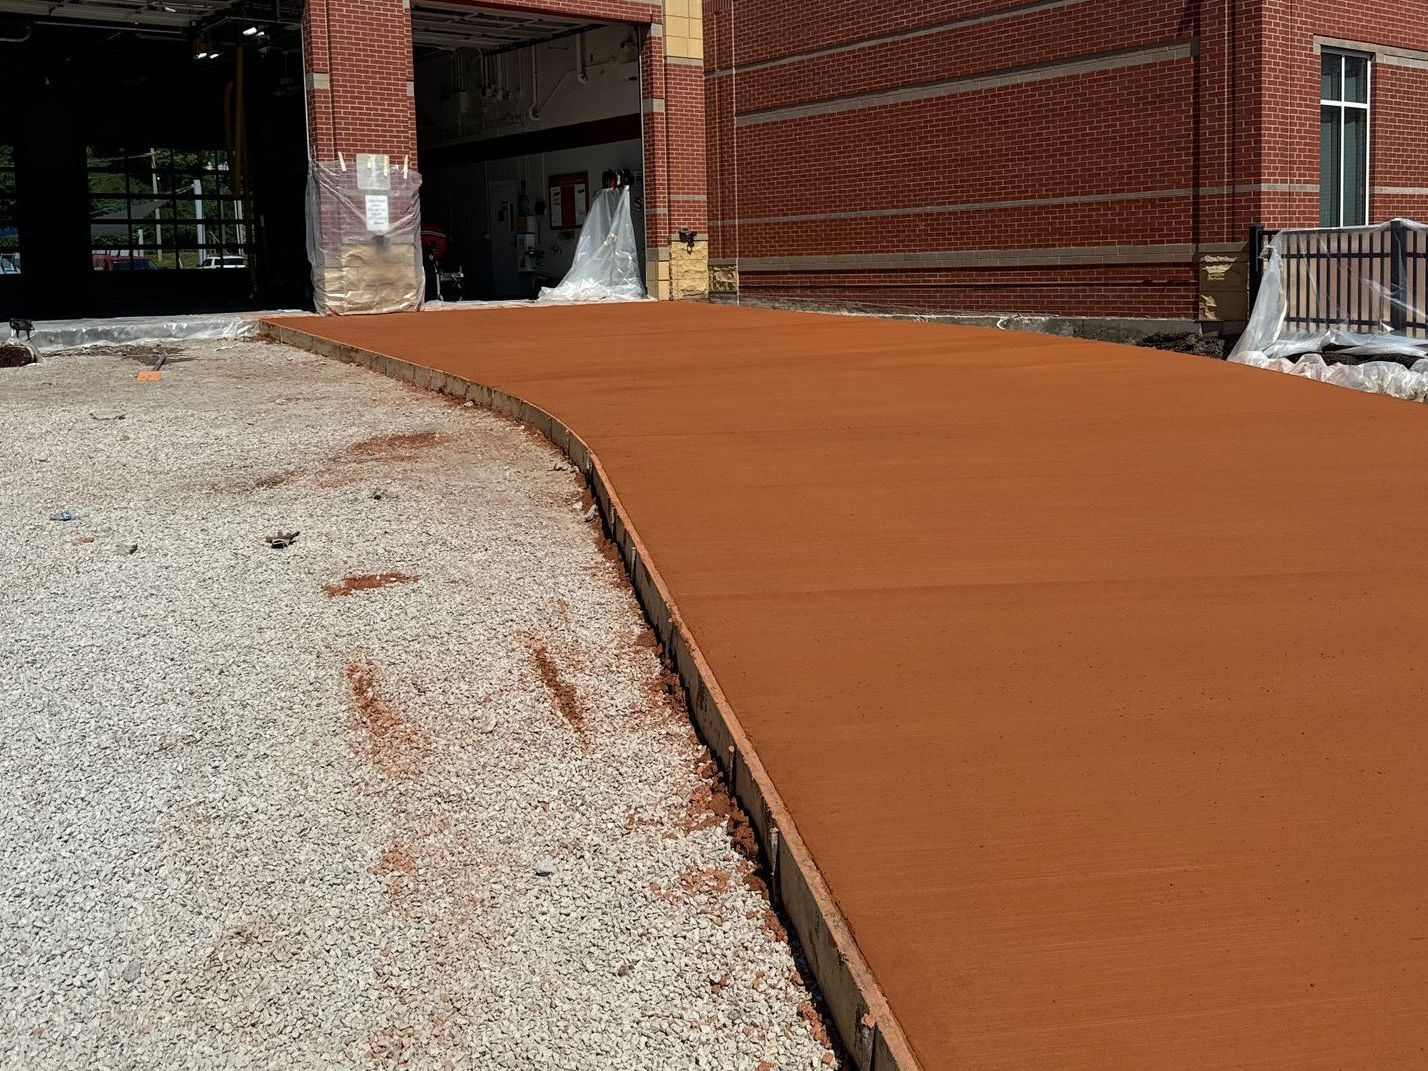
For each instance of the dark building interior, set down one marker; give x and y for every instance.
(150, 170)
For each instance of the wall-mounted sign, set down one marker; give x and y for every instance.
(569, 200)
(379, 219)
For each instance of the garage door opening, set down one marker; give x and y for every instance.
(152, 159)
(521, 121)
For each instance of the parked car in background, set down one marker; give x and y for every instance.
(109, 262)
(224, 262)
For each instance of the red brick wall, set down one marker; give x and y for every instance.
(654, 107)
(674, 130)
(1145, 156)
(1132, 290)
(1398, 155)
(364, 48)
(684, 117)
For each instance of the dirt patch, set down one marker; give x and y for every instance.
(366, 582)
(399, 868)
(405, 447)
(765, 915)
(635, 819)
(146, 353)
(13, 355)
(275, 479)
(388, 742)
(394, 860)
(815, 1024)
(261, 483)
(149, 354)
(567, 699)
(662, 705)
(610, 553)
(773, 925)
(388, 1047)
(339, 470)
(710, 805)
(699, 881)
(1191, 342)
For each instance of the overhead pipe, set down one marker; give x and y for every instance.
(581, 76)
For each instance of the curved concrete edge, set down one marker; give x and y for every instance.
(859, 1009)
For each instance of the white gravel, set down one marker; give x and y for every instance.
(451, 822)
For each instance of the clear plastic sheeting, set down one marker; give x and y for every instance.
(364, 236)
(1374, 377)
(52, 335)
(1361, 291)
(607, 258)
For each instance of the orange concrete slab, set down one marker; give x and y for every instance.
(1092, 676)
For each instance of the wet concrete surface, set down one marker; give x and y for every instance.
(1092, 675)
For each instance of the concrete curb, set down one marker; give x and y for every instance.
(856, 1003)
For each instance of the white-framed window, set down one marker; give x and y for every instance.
(1343, 139)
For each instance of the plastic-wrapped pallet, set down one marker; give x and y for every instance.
(364, 236)
(607, 262)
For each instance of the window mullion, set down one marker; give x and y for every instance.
(1343, 162)
(1343, 132)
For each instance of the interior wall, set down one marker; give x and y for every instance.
(459, 198)
(488, 124)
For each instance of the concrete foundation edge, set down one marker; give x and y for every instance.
(859, 1010)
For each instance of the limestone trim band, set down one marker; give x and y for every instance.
(856, 1003)
(1026, 202)
(1095, 255)
(1011, 76)
(907, 35)
(1389, 54)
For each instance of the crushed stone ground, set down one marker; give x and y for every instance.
(409, 793)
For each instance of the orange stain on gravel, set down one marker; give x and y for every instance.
(366, 582)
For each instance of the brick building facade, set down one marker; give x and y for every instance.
(1061, 157)
(1055, 157)
(1068, 157)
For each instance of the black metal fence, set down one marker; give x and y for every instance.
(1369, 280)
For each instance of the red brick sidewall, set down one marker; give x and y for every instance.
(1130, 148)
(1398, 155)
(364, 48)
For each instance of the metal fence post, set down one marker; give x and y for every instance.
(1256, 263)
(1398, 277)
